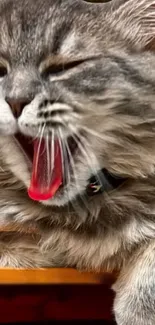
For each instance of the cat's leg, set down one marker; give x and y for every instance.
(135, 290)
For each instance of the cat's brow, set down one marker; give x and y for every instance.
(60, 34)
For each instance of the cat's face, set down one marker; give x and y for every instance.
(61, 80)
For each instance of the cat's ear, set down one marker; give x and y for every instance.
(135, 21)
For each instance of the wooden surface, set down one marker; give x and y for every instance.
(47, 304)
(52, 276)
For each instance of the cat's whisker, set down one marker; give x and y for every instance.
(62, 153)
(71, 160)
(67, 177)
(88, 154)
(39, 147)
(92, 132)
(2, 170)
(57, 98)
(48, 158)
(38, 133)
(72, 163)
(52, 144)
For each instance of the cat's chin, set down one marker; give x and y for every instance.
(65, 194)
(60, 199)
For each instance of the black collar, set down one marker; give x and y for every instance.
(103, 181)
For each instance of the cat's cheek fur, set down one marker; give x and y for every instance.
(28, 123)
(15, 159)
(8, 124)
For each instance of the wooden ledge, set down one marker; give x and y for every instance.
(52, 276)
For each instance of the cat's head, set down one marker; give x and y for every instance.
(70, 83)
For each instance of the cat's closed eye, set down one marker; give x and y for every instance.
(60, 67)
(3, 71)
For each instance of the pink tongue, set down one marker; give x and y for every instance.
(46, 170)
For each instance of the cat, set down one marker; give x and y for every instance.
(77, 149)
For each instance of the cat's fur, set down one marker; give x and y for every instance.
(109, 100)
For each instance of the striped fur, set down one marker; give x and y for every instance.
(108, 101)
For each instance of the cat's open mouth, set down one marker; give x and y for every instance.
(48, 165)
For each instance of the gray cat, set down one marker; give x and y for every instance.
(77, 142)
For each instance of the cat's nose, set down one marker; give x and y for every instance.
(17, 105)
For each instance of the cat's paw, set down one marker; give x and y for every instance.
(132, 310)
